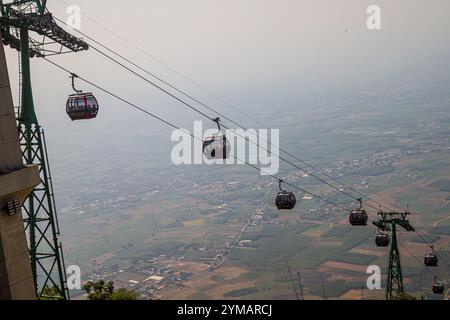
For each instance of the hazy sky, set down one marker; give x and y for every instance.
(259, 55)
(250, 51)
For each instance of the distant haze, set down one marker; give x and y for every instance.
(309, 68)
(242, 45)
(256, 51)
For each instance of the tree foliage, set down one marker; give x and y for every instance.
(51, 293)
(405, 296)
(102, 290)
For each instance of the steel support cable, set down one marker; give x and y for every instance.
(204, 89)
(190, 106)
(248, 164)
(209, 92)
(222, 115)
(116, 96)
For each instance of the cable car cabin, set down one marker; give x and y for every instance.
(216, 147)
(431, 260)
(285, 200)
(382, 240)
(82, 106)
(438, 288)
(358, 217)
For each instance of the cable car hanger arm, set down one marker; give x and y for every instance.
(73, 76)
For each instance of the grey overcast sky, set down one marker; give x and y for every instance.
(257, 48)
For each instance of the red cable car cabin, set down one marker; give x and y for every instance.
(431, 260)
(82, 106)
(438, 288)
(285, 200)
(216, 147)
(358, 217)
(382, 240)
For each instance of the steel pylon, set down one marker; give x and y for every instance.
(388, 221)
(17, 19)
(40, 217)
(394, 286)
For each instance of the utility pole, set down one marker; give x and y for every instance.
(388, 221)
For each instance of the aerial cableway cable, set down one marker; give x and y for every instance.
(141, 109)
(229, 119)
(243, 127)
(207, 91)
(213, 95)
(212, 119)
(226, 127)
(188, 79)
(232, 121)
(223, 116)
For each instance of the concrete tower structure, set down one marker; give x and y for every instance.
(16, 182)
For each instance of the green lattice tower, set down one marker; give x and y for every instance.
(394, 286)
(388, 221)
(40, 215)
(17, 19)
